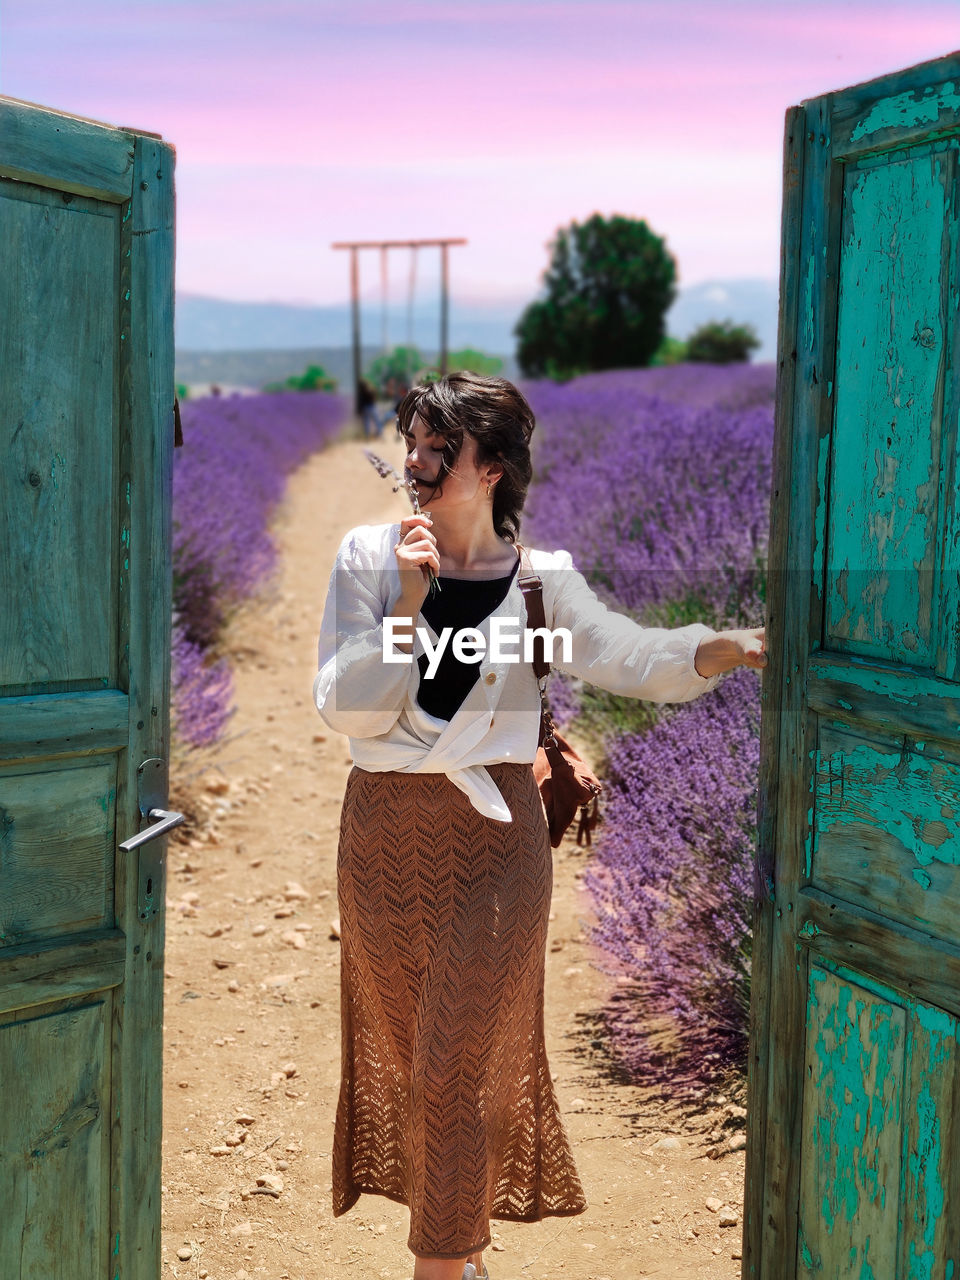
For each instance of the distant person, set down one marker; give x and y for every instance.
(367, 404)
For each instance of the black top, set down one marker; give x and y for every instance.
(460, 602)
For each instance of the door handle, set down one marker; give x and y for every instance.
(162, 821)
(151, 797)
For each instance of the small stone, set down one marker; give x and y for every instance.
(221, 1150)
(319, 737)
(497, 1247)
(283, 913)
(713, 1204)
(183, 1084)
(738, 1142)
(578, 1104)
(220, 963)
(242, 1229)
(573, 971)
(289, 1069)
(283, 1165)
(669, 1144)
(295, 892)
(335, 929)
(728, 1218)
(190, 898)
(233, 985)
(259, 930)
(294, 939)
(184, 1253)
(235, 1139)
(243, 1118)
(218, 786)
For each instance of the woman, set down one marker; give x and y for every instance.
(444, 867)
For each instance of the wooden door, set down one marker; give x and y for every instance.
(854, 1146)
(86, 431)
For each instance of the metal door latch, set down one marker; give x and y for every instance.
(151, 795)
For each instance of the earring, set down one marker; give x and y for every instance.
(489, 490)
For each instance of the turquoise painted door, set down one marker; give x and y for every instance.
(86, 431)
(854, 1147)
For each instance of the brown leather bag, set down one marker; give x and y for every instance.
(565, 779)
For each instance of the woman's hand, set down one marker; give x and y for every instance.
(728, 649)
(416, 552)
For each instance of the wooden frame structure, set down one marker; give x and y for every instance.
(384, 246)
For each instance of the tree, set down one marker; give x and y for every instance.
(315, 378)
(474, 361)
(721, 342)
(402, 364)
(608, 287)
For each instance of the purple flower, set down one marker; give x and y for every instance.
(227, 481)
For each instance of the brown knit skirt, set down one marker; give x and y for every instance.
(446, 1100)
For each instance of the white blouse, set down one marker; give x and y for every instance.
(374, 702)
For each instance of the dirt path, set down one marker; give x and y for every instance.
(252, 1039)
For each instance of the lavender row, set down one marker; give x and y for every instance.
(658, 482)
(661, 499)
(227, 480)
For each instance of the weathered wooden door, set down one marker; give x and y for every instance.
(854, 1148)
(86, 431)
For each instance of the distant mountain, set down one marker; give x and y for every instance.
(250, 343)
(214, 324)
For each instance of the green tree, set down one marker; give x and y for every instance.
(607, 289)
(402, 364)
(315, 378)
(474, 361)
(722, 342)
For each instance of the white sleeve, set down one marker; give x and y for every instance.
(614, 652)
(355, 690)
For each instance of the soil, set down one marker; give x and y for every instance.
(252, 1041)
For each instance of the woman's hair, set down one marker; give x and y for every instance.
(498, 418)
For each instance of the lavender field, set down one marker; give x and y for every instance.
(658, 483)
(227, 481)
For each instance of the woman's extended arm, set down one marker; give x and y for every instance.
(617, 654)
(356, 691)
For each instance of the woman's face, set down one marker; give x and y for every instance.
(465, 483)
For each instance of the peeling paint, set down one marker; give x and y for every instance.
(911, 108)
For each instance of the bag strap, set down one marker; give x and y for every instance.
(531, 585)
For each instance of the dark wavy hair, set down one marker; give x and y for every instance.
(496, 415)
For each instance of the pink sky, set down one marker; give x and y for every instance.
(301, 122)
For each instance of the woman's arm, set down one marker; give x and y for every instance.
(617, 654)
(356, 691)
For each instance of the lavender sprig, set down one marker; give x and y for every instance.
(389, 472)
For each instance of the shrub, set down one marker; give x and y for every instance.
(672, 884)
(227, 481)
(721, 342)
